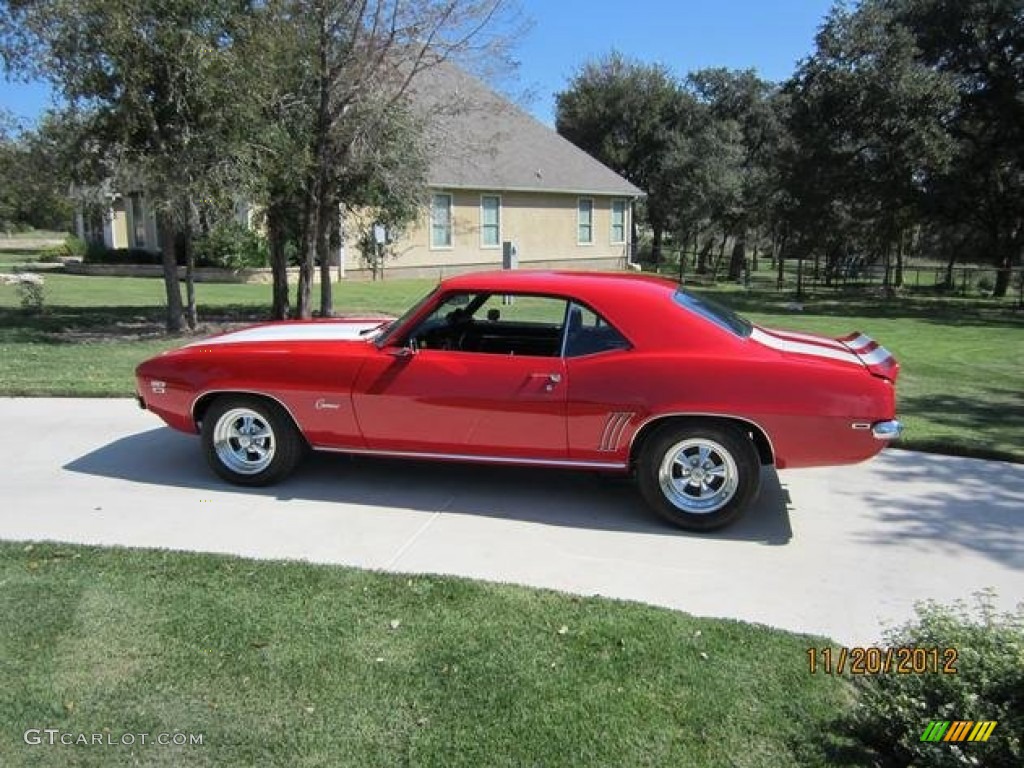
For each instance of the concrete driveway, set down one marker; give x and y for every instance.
(840, 552)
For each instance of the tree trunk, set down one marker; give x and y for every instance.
(656, 238)
(191, 313)
(739, 257)
(169, 261)
(1003, 274)
(276, 240)
(897, 278)
(304, 290)
(317, 189)
(704, 255)
(800, 278)
(323, 252)
(721, 255)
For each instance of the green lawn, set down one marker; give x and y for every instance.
(962, 359)
(299, 665)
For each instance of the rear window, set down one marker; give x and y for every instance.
(713, 311)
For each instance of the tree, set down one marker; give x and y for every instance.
(625, 114)
(867, 118)
(345, 93)
(160, 85)
(749, 109)
(701, 182)
(979, 46)
(33, 185)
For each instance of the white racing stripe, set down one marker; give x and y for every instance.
(808, 337)
(813, 350)
(295, 332)
(876, 356)
(859, 343)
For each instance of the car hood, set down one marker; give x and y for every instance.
(362, 329)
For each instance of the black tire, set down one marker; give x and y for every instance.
(250, 441)
(717, 488)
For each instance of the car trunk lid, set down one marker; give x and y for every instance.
(857, 347)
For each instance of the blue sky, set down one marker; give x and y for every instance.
(767, 35)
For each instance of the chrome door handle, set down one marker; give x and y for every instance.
(554, 378)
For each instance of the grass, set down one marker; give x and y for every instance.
(962, 359)
(296, 664)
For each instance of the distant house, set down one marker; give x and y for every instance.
(127, 222)
(500, 175)
(497, 175)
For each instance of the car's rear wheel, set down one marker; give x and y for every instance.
(699, 476)
(250, 441)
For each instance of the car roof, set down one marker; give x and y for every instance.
(640, 305)
(622, 286)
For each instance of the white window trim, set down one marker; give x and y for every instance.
(611, 221)
(451, 222)
(497, 245)
(579, 202)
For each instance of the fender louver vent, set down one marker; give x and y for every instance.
(614, 426)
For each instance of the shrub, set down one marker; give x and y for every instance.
(30, 289)
(72, 248)
(233, 246)
(986, 285)
(895, 709)
(97, 254)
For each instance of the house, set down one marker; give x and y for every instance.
(496, 175)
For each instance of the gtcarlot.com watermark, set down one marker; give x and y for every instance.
(108, 738)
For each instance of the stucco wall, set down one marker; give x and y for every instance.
(543, 227)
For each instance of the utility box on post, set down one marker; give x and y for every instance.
(509, 255)
(509, 260)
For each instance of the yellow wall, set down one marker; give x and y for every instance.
(119, 224)
(543, 227)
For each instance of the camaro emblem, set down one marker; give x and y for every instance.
(322, 404)
(158, 387)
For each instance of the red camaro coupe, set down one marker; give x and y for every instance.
(610, 372)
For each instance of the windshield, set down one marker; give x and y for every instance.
(386, 338)
(713, 311)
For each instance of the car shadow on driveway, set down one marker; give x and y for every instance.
(162, 457)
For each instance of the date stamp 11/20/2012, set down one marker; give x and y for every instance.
(877, 660)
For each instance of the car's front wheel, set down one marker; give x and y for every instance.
(250, 441)
(699, 476)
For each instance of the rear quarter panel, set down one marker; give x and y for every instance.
(807, 409)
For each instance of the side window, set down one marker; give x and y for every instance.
(588, 333)
(494, 324)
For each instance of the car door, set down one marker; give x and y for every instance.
(468, 382)
(605, 400)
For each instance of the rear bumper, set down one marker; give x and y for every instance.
(886, 430)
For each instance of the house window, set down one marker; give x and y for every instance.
(618, 236)
(441, 221)
(490, 221)
(585, 221)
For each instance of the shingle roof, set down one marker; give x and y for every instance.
(481, 140)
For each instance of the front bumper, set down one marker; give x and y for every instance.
(887, 430)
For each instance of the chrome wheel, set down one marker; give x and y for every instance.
(244, 441)
(698, 476)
